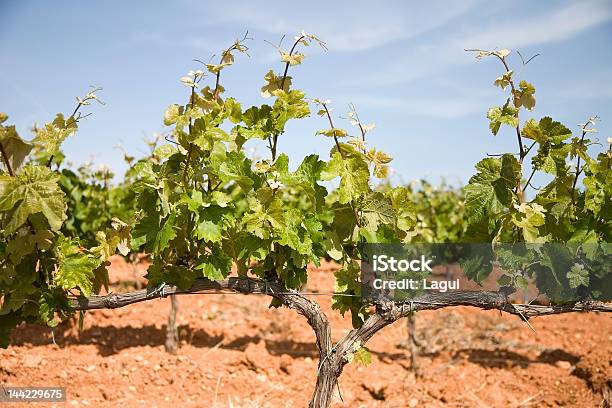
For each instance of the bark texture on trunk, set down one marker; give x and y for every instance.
(172, 336)
(414, 345)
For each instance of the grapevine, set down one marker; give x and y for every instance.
(199, 207)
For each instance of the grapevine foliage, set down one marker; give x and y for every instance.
(497, 209)
(200, 207)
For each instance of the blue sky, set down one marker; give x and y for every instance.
(401, 63)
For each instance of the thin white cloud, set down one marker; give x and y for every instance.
(442, 55)
(544, 28)
(345, 25)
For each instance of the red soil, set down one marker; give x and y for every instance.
(236, 352)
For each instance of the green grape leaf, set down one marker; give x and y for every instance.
(380, 160)
(491, 189)
(259, 220)
(53, 134)
(578, 275)
(505, 115)
(75, 266)
(233, 110)
(258, 121)
(334, 132)
(194, 202)
(149, 232)
(478, 265)
(552, 151)
(598, 193)
(306, 177)
(221, 199)
(293, 59)
(215, 266)
(46, 309)
(24, 243)
(360, 356)
(288, 105)
(159, 273)
(34, 190)
(546, 130)
(237, 168)
(274, 83)
(291, 232)
(524, 95)
(117, 238)
(101, 278)
(354, 175)
(172, 114)
(529, 217)
(481, 201)
(167, 233)
(209, 231)
(376, 209)
(504, 80)
(333, 246)
(14, 147)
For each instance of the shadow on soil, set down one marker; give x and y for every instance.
(111, 340)
(505, 358)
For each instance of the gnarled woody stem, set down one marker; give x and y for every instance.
(333, 358)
